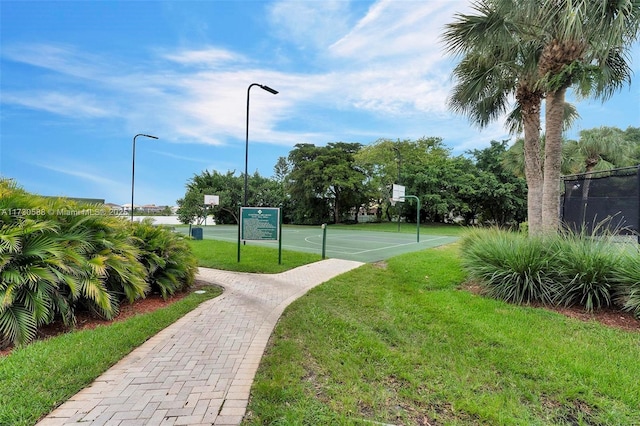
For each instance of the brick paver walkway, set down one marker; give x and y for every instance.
(199, 370)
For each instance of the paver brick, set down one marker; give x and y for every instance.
(199, 370)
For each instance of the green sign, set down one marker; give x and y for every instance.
(259, 223)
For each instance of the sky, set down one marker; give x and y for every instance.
(79, 79)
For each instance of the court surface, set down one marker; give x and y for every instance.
(363, 246)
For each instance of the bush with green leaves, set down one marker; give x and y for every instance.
(167, 257)
(568, 269)
(586, 269)
(627, 282)
(58, 256)
(508, 265)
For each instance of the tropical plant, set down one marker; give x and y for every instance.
(598, 149)
(585, 46)
(167, 257)
(509, 266)
(585, 269)
(498, 64)
(58, 256)
(32, 269)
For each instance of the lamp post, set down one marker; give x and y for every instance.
(246, 150)
(133, 166)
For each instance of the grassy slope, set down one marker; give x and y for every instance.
(402, 345)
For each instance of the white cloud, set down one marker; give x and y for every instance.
(209, 57)
(75, 170)
(181, 157)
(67, 104)
(387, 69)
(309, 24)
(63, 59)
(395, 28)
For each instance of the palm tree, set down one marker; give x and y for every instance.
(497, 65)
(586, 44)
(583, 44)
(598, 149)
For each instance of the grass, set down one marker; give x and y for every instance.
(402, 345)
(224, 255)
(36, 378)
(395, 342)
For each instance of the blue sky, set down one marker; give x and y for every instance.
(80, 78)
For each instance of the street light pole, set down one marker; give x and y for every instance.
(133, 166)
(246, 149)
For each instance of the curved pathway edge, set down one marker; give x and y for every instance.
(199, 370)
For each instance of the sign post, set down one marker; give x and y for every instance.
(260, 224)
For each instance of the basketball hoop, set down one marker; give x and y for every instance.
(211, 200)
(392, 201)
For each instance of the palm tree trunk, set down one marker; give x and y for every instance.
(533, 171)
(552, 161)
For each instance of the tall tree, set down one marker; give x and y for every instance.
(325, 176)
(586, 46)
(502, 199)
(582, 43)
(227, 186)
(497, 65)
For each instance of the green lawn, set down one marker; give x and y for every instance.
(224, 255)
(403, 345)
(396, 342)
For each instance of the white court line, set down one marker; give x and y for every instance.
(375, 249)
(397, 245)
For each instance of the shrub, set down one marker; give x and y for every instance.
(32, 267)
(167, 257)
(569, 269)
(627, 283)
(585, 270)
(508, 266)
(57, 256)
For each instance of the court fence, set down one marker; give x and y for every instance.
(605, 201)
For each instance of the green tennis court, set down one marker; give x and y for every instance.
(363, 246)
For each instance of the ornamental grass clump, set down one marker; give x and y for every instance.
(509, 266)
(563, 269)
(627, 282)
(586, 270)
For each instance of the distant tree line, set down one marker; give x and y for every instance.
(332, 183)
